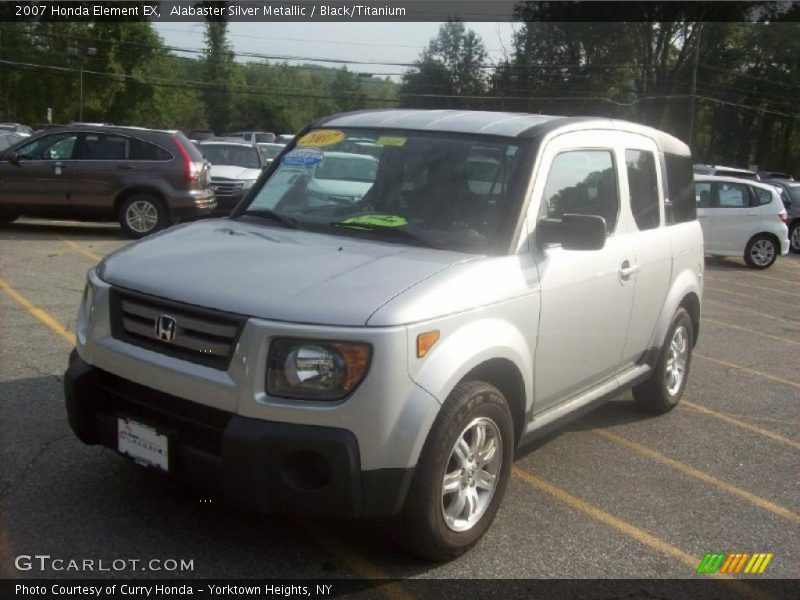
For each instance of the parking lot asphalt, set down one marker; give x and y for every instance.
(615, 494)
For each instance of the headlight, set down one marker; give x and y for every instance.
(315, 370)
(248, 183)
(88, 299)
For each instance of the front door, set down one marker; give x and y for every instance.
(586, 296)
(40, 179)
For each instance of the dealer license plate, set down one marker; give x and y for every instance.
(142, 443)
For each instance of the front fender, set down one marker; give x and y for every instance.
(465, 346)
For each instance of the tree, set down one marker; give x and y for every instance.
(451, 65)
(218, 70)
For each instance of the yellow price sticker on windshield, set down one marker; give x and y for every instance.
(321, 138)
(388, 140)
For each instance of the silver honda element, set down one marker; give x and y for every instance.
(374, 335)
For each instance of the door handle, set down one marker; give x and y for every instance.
(125, 167)
(626, 270)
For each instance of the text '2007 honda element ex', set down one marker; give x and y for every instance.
(376, 338)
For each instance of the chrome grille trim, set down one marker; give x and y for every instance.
(202, 336)
(227, 187)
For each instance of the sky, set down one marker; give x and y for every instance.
(392, 42)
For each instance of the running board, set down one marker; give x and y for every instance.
(552, 418)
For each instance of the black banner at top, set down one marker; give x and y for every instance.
(395, 10)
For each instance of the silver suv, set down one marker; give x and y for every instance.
(380, 346)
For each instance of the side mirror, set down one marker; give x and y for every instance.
(573, 232)
(13, 158)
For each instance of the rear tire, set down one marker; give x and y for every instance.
(794, 237)
(663, 390)
(761, 251)
(142, 214)
(470, 448)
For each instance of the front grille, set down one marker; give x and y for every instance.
(227, 187)
(203, 336)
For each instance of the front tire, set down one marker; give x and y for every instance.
(662, 391)
(461, 475)
(141, 215)
(761, 251)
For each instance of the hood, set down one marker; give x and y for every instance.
(274, 273)
(233, 172)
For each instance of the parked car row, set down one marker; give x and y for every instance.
(741, 218)
(785, 185)
(146, 179)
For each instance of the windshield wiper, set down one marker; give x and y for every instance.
(392, 231)
(265, 213)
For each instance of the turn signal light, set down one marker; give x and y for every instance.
(425, 342)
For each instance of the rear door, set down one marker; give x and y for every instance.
(41, 179)
(735, 217)
(652, 251)
(100, 166)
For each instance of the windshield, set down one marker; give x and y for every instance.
(794, 192)
(270, 151)
(440, 190)
(246, 157)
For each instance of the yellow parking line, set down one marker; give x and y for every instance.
(753, 331)
(355, 562)
(39, 313)
(762, 289)
(598, 514)
(739, 423)
(748, 370)
(81, 249)
(751, 311)
(783, 305)
(685, 469)
(751, 274)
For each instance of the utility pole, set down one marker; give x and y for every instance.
(693, 92)
(75, 52)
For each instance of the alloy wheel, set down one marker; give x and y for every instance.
(471, 474)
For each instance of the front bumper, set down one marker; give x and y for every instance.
(270, 466)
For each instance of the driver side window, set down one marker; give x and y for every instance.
(58, 146)
(582, 182)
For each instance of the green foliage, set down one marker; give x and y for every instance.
(451, 65)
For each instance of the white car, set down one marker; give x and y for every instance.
(270, 152)
(235, 167)
(741, 218)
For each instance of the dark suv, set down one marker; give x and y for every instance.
(146, 179)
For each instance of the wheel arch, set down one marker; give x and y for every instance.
(692, 305)
(506, 377)
(686, 292)
(491, 350)
(141, 189)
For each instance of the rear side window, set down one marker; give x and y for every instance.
(141, 150)
(732, 195)
(100, 146)
(762, 196)
(682, 205)
(643, 188)
(582, 182)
